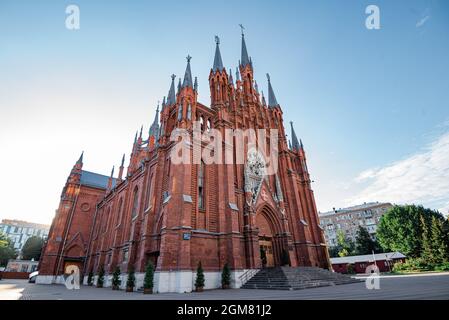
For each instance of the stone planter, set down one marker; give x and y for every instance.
(115, 287)
(129, 289)
(225, 286)
(199, 289)
(147, 290)
(99, 286)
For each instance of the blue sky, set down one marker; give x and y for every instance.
(371, 106)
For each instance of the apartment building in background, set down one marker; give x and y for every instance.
(19, 231)
(349, 219)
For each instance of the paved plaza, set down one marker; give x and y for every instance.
(422, 286)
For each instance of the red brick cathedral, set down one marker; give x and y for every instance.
(177, 215)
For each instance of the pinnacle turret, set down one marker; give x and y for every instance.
(218, 63)
(295, 143)
(272, 102)
(171, 99)
(245, 58)
(188, 74)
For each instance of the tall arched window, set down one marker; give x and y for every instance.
(148, 195)
(201, 186)
(135, 203)
(119, 213)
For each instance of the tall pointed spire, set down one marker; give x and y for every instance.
(171, 93)
(237, 74)
(112, 171)
(179, 85)
(272, 102)
(195, 85)
(256, 86)
(135, 138)
(120, 170)
(295, 143)
(218, 62)
(140, 134)
(154, 128)
(264, 103)
(245, 58)
(230, 80)
(188, 74)
(80, 160)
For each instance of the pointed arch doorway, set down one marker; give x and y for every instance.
(267, 243)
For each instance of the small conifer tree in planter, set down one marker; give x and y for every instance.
(131, 282)
(199, 281)
(148, 282)
(226, 277)
(100, 280)
(116, 281)
(90, 278)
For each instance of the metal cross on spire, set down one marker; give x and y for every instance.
(242, 27)
(188, 58)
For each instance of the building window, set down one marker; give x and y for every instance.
(135, 203)
(125, 255)
(201, 186)
(148, 196)
(119, 213)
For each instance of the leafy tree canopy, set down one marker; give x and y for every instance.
(400, 228)
(32, 248)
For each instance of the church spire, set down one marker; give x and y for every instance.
(188, 74)
(195, 85)
(230, 80)
(80, 160)
(218, 63)
(171, 93)
(237, 74)
(154, 128)
(245, 58)
(120, 172)
(272, 102)
(179, 85)
(295, 143)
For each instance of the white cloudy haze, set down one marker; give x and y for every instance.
(422, 178)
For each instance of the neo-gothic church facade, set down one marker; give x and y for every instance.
(177, 215)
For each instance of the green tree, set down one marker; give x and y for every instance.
(100, 279)
(199, 281)
(7, 250)
(90, 278)
(345, 245)
(131, 281)
(400, 228)
(333, 251)
(439, 241)
(116, 281)
(148, 281)
(32, 248)
(426, 245)
(226, 276)
(364, 244)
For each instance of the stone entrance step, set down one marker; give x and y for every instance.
(296, 278)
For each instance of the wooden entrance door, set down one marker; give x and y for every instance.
(266, 246)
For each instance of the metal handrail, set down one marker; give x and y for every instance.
(248, 274)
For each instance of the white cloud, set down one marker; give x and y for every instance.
(422, 178)
(422, 21)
